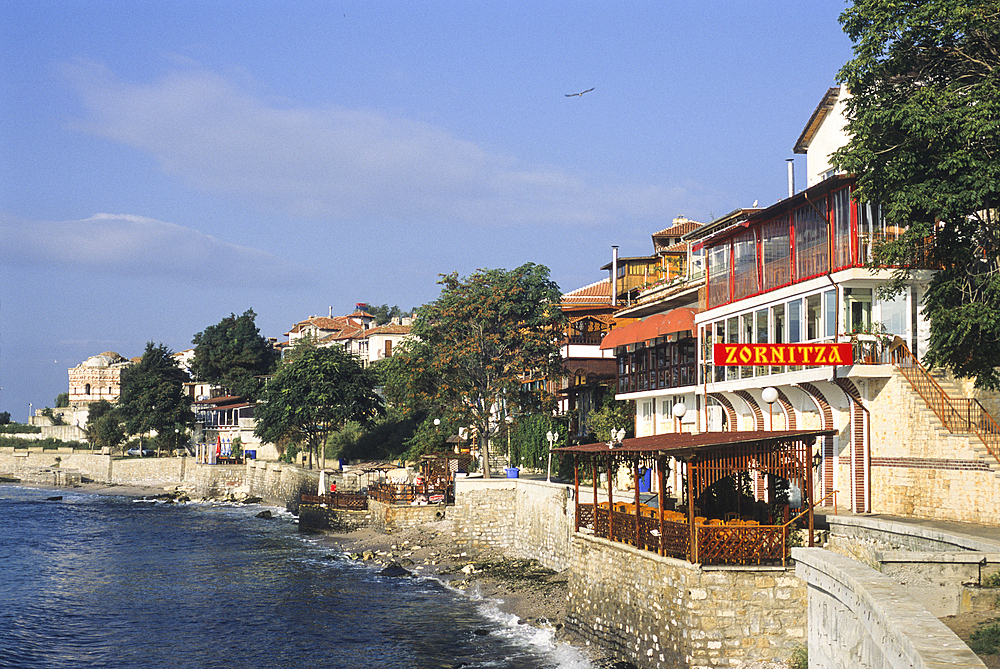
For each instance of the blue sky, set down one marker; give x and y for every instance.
(165, 164)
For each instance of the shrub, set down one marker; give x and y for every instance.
(799, 658)
(992, 580)
(986, 639)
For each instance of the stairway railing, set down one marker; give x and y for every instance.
(958, 415)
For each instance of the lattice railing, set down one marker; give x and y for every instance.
(741, 544)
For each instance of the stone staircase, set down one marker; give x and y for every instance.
(960, 439)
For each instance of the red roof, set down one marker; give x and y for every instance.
(675, 442)
(657, 325)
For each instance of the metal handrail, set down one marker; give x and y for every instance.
(974, 418)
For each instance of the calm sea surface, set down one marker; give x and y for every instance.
(103, 581)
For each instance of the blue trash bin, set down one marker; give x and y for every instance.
(512, 472)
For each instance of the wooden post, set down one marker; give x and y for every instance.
(635, 469)
(576, 489)
(593, 465)
(807, 455)
(611, 501)
(661, 478)
(693, 549)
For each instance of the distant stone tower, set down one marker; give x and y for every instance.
(96, 378)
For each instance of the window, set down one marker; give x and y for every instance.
(813, 317)
(858, 309)
(830, 313)
(777, 253)
(718, 275)
(810, 241)
(840, 202)
(745, 265)
(795, 321)
(894, 313)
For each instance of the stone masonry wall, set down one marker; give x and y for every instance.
(919, 469)
(484, 512)
(390, 518)
(664, 613)
(278, 483)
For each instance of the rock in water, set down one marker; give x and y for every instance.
(56, 498)
(264, 514)
(395, 569)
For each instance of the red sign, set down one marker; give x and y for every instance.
(783, 354)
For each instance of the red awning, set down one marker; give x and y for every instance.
(658, 325)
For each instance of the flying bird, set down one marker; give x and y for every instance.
(573, 95)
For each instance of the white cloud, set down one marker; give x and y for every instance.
(110, 246)
(337, 163)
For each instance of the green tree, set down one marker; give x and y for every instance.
(104, 427)
(152, 396)
(233, 354)
(383, 313)
(62, 400)
(314, 392)
(925, 146)
(613, 415)
(474, 344)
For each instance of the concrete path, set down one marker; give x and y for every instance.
(982, 534)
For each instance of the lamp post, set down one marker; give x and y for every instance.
(678, 411)
(509, 420)
(770, 395)
(553, 437)
(616, 437)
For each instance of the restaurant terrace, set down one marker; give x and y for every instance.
(754, 531)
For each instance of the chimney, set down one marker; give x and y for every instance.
(614, 276)
(791, 176)
(331, 311)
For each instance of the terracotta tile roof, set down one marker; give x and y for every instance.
(679, 229)
(390, 329)
(679, 247)
(597, 292)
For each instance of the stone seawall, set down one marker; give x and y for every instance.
(529, 518)
(280, 484)
(659, 612)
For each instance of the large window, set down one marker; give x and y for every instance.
(745, 265)
(718, 275)
(811, 248)
(777, 252)
(840, 203)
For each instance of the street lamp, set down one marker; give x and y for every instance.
(616, 437)
(770, 395)
(553, 437)
(678, 411)
(510, 460)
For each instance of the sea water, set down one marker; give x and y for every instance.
(107, 581)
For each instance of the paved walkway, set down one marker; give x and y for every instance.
(982, 533)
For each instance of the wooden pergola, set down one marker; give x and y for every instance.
(705, 459)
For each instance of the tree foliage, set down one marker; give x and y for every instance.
(152, 397)
(613, 415)
(384, 314)
(233, 354)
(925, 146)
(473, 345)
(104, 428)
(314, 392)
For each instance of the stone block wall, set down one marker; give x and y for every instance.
(919, 469)
(484, 512)
(665, 613)
(315, 517)
(278, 483)
(544, 522)
(390, 518)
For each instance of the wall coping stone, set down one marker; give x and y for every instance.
(947, 557)
(957, 539)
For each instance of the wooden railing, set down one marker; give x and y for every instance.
(350, 501)
(407, 493)
(958, 415)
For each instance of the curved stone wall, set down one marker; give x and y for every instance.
(859, 618)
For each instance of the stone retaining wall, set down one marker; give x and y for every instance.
(390, 518)
(664, 613)
(280, 484)
(859, 618)
(531, 518)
